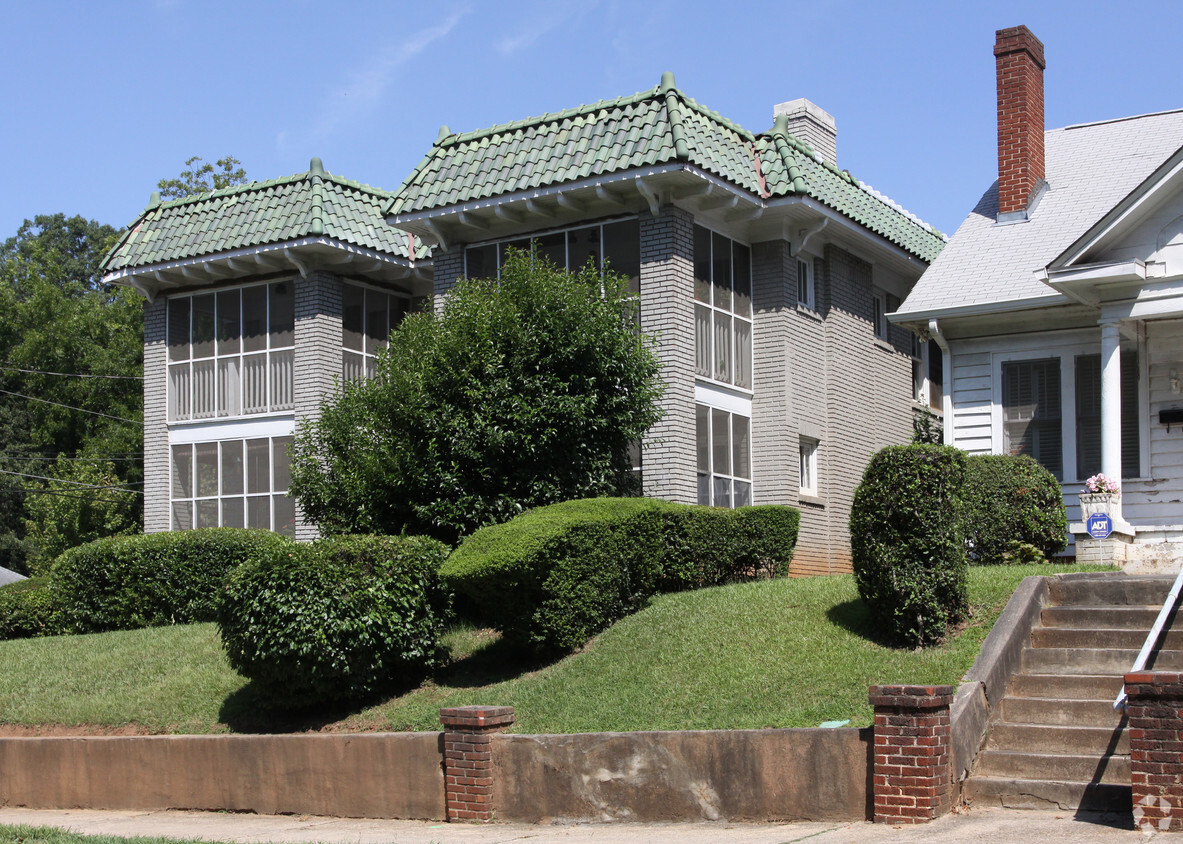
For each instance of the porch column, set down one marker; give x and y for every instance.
(1111, 403)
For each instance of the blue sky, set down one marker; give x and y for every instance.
(104, 99)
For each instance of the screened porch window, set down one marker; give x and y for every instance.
(724, 457)
(367, 318)
(722, 309)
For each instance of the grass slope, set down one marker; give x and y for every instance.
(781, 653)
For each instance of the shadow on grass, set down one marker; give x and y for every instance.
(494, 662)
(252, 710)
(854, 617)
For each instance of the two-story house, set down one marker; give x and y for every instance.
(764, 270)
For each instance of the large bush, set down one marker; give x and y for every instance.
(127, 582)
(28, 608)
(555, 576)
(335, 619)
(1012, 504)
(907, 542)
(520, 392)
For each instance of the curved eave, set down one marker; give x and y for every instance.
(303, 257)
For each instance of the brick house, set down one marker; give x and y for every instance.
(1059, 302)
(765, 271)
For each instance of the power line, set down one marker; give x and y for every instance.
(38, 491)
(91, 458)
(10, 368)
(76, 483)
(71, 407)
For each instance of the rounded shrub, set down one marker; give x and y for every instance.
(128, 582)
(907, 542)
(336, 619)
(29, 608)
(1013, 509)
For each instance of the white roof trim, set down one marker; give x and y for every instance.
(979, 309)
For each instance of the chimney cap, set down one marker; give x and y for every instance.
(1016, 38)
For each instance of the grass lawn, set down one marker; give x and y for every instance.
(780, 653)
(50, 835)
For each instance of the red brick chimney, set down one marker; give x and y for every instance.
(1019, 58)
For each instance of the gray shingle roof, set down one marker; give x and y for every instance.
(1090, 168)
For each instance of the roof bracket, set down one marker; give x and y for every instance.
(805, 235)
(438, 234)
(302, 266)
(472, 221)
(534, 208)
(604, 195)
(650, 195)
(507, 215)
(566, 202)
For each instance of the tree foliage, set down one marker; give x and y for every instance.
(199, 176)
(518, 393)
(62, 335)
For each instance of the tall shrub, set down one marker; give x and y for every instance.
(1012, 503)
(907, 542)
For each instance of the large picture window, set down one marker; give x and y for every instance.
(233, 483)
(722, 309)
(367, 318)
(231, 353)
(724, 447)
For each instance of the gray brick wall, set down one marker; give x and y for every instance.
(156, 469)
(667, 310)
(774, 449)
(448, 268)
(318, 356)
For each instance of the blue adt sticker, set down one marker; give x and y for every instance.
(1099, 525)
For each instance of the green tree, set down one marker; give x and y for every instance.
(518, 393)
(200, 176)
(84, 501)
(71, 357)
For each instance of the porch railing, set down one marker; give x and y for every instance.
(1153, 636)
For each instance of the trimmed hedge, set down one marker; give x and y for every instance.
(1014, 509)
(128, 582)
(335, 619)
(28, 608)
(555, 576)
(907, 542)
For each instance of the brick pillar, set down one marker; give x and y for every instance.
(913, 766)
(1155, 709)
(468, 759)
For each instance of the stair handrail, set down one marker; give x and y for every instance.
(1152, 637)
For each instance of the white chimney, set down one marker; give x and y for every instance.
(812, 124)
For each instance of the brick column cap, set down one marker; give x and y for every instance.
(912, 697)
(476, 717)
(1154, 684)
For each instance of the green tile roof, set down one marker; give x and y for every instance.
(650, 128)
(310, 204)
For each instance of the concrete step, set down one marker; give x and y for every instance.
(1073, 637)
(1044, 738)
(1068, 713)
(1071, 686)
(1047, 794)
(1125, 618)
(1093, 660)
(1108, 590)
(1064, 767)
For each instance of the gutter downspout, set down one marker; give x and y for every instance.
(934, 332)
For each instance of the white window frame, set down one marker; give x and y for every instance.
(273, 356)
(719, 400)
(807, 465)
(716, 312)
(806, 283)
(365, 363)
(879, 313)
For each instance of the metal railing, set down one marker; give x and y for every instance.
(1152, 637)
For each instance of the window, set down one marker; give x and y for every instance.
(1031, 411)
(808, 453)
(723, 308)
(724, 457)
(1088, 415)
(928, 373)
(879, 313)
(367, 318)
(231, 353)
(616, 244)
(233, 483)
(805, 287)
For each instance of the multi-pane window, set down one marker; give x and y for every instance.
(1088, 415)
(367, 318)
(807, 451)
(928, 373)
(724, 457)
(233, 483)
(231, 352)
(722, 309)
(616, 244)
(805, 287)
(1031, 411)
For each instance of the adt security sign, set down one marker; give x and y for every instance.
(1099, 525)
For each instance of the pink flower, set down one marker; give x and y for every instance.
(1100, 483)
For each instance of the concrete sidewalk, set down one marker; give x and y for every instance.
(982, 826)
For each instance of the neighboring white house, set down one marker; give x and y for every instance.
(1059, 302)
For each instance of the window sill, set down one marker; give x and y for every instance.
(807, 498)
(807, 311)
(885, 346)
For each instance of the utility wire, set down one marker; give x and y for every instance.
(38, 491)
(10, 368)
(71, 407)
(91, 459)
(76, 483)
